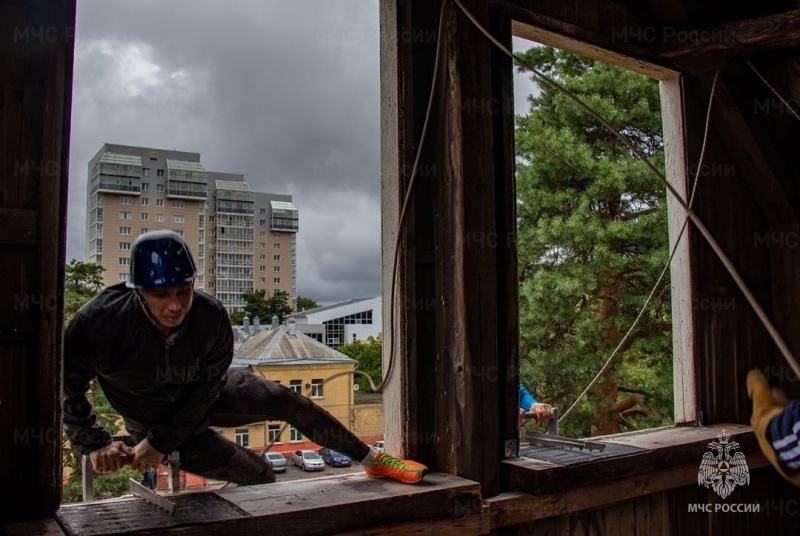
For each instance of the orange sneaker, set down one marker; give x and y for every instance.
(385, 466)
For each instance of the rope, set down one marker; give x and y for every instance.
(785, 103)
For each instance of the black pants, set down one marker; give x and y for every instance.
(246, 399)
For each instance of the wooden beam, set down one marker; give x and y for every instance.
(323, 505)
(466, 238)
(683, 370)
(505, 195)
(446, 402)
(654, 450)
(554, 33)
(779, 30)
(35, 106)
(670, 459)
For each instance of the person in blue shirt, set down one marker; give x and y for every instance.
(530, 407)
(776, 425)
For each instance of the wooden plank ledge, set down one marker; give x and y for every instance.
(324, 505)
(652, 450)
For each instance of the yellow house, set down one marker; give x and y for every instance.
(285, 355)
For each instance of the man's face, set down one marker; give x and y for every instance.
(170, 304)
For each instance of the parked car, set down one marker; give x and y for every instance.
(378, 445)
(334, 459)
(276, 460)
(308, 460)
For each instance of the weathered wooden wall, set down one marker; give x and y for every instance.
(661, 514)
(747, 197)
(36, 46)
(455, 345)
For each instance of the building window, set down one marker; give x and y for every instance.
(159, 217)
(144, 230)
(145, 201)
(124, 230)
(124, 245)
(263, 280)
(276, 280)
(263, 211)
(263, 245)
(274, 434)
(262, 223)
(276, 257)
(276, 268)
(242, 437)
(276, 235)
(316, 389)
(177, 231)
(159, 188)
(177, 204)
(145, 216)
(146, 171)
(262, 257)
(295, 436)
(125, 200)
(177, 219)
(263, 234)
(123, 261)
(145, 186)
(276, 246)
(296, 386)
(159, 173)
(123, 278)
(159, 202)
(124, 215)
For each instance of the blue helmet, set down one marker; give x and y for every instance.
(160, 259)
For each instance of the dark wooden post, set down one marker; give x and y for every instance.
(455, 298)
(36, 56)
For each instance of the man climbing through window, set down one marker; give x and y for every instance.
(161, 352)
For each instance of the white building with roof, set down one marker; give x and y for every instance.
(342, 323)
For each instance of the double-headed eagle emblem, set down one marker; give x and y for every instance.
(723, 469)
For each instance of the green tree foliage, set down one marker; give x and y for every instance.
(304, 304)
(592, 242)
(257, 304)
(368, 354)
(82, 282)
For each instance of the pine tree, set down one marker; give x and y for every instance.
(593, 240)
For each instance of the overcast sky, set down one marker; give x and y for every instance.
(285, 92)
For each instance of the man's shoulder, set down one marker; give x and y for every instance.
(113, 298)
(207, 302)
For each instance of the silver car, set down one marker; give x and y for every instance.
(308, 460)
(276, 460)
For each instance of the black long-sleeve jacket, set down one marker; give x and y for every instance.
(159, 388)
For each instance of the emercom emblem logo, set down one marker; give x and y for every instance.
(723, 469)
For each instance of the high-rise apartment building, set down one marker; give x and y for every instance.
(243, 240)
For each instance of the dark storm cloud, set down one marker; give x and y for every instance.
(285, 92)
